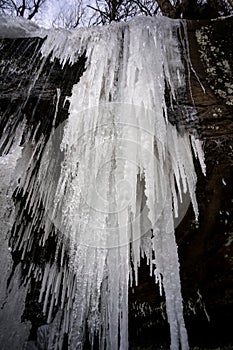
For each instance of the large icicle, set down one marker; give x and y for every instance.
(118, 137)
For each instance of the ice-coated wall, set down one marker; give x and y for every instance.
(107, 184)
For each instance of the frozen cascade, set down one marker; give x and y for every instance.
(123, 169)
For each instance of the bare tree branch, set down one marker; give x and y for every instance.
(36, 7)
(144, 8)
(95, 12)
(23, 8)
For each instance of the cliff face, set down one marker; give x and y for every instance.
(205, 247)
(211, 243)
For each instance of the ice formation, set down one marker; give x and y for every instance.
(110, 180)
(11, 27)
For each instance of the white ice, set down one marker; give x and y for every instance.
(124, 171)
(19, 27)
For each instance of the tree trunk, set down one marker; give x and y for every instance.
(166, 8)
(231, 3)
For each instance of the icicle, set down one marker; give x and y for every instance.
(137, 126)
(56, 108)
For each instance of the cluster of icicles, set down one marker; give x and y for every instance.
(124, 169)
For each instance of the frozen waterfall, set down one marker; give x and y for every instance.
(110, 181)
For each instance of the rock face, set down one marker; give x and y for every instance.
(205, 247)
(211, 242)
